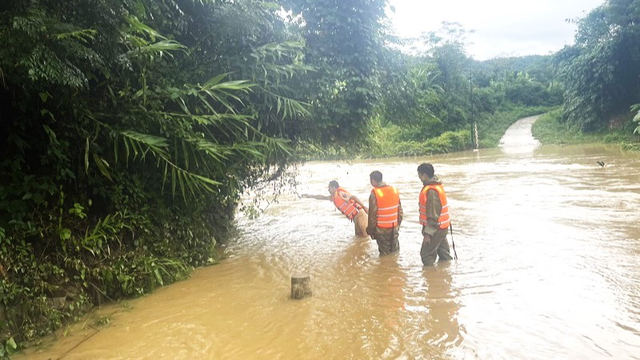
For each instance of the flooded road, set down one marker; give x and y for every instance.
(549, 267)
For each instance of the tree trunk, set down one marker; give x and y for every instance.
(300, 286)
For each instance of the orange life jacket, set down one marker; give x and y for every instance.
(388, 202)
(348, 207)
(444, 220)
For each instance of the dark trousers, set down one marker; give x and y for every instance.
(387, 240)
(437, 247)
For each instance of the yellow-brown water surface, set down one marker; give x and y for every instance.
(549, 268)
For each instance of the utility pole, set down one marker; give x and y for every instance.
(475, 123)
(475, 126)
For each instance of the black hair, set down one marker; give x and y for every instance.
(334, 184)
(427, 169)
(376, 175)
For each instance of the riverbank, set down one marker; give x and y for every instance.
(550, 130)
(123, 256)
(390, 140)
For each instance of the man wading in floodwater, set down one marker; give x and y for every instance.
(385, 215)
(434, 217)
(348, 204)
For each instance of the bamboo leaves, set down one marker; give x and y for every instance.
(138, 105)
(195, 148)
(140, 144)
(102, 165)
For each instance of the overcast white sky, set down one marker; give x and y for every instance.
(502, 27)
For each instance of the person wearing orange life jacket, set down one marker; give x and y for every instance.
(434, 217)
(348, 204)
(385, 215)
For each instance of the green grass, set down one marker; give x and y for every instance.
(386, 140)
(550, 129)
(450, 141)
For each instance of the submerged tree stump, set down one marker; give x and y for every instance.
(300, 286)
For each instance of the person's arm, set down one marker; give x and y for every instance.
(373, 215)
(317, 197)
(399, 213)
(434, 207)
(355, 198)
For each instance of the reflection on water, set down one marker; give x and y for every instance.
(549, 267)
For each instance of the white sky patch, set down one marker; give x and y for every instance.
(502, 27)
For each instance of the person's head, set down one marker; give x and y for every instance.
(333, 186)
(425, 172)
(375, 178)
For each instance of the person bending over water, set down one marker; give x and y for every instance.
(348, 204)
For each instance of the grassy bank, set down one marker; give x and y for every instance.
(550, 129)
(385, 144)
(392, 140)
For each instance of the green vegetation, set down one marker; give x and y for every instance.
(601, 72)
(550, 129)
(430, 101)
(384, 143)
(129, 129)
(596, 81)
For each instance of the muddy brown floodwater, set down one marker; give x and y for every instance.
(549, 267)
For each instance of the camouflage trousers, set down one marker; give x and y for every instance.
(438, 247)
(387, 240)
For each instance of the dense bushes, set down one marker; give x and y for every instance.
(389, 141)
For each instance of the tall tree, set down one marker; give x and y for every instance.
(344, 42)
(601, 71)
